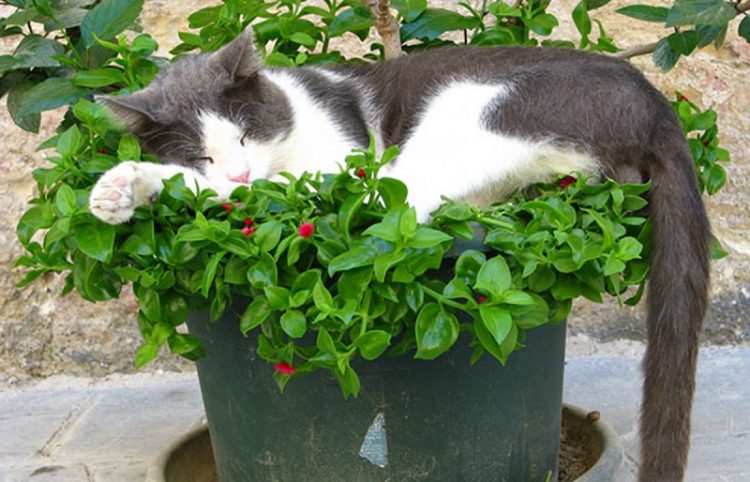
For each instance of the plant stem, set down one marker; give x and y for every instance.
(494, 222)
(635, 51)
(442, 299)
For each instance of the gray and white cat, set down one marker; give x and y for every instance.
(472, 124)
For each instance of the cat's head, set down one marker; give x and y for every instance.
(213, 112)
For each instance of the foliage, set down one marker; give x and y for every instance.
(695, 24)
(362, 283)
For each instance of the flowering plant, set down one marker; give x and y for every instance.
(335, 264)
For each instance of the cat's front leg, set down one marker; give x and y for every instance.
(130, 184)
(122, 189)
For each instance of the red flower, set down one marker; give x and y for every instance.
(228, 207)
(361, 173)
(248, 230)
(306, 230)
(481, 299)
(248, 221)
(567, 181)
(284, 368)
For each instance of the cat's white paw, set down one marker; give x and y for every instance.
(113, 197)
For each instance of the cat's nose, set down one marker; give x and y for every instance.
(243, 178)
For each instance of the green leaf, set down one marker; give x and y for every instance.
(325, 343)
(277, 296)
(436, 331)
(348, 380)
(28, 122)
(97, 78)
(268, 235)
(210, 273)
(303, 39)
(255, 314)
(186, 345)
(145, 354)
(409, 9)
(684, 42)
(541, 279)
(109, 18)
(717, 250)
(354, 258)
(700, 12)
(129, 148)
(294, 324)
(384, 262)
(582, 20)
(514, 297)
(372, 343)
(346, 213)
(392, 191)
(69, 142)
(427, 238)
(497, 321)
(744, 28)
(646, 13)
(542, 24)
(717, 177)
(49, 94)
(629, 248)
(96, 240)
(613, 266)
(65, 199)
(35, 51)
(433, 22)
(494, 276)
(322, 298)
(353, 19)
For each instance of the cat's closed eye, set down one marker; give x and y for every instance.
(208, 159)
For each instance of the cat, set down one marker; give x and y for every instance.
(472, 124)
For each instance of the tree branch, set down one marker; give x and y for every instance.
(387, 27)
(635, 51)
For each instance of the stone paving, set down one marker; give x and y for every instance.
(109, 430)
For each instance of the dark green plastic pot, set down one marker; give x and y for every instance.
(413, 420)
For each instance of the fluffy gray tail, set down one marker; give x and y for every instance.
(677, 298)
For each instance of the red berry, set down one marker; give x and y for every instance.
(248, 230)
(361, 173)
(306, 230)
(248, 221)
(228, 207)
(285, 368)
(481, 299)
(102, 151)
(567, 181)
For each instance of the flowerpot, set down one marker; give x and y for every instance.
(413, 419)
(594, 444)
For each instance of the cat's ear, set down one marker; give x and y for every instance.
(133, 110)
(238, 58)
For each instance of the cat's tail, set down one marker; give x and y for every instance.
(676, 305)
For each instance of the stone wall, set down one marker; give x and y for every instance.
(42, 334)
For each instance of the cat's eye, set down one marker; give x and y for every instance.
(208, 159)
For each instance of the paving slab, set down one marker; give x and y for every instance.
(109, 430)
